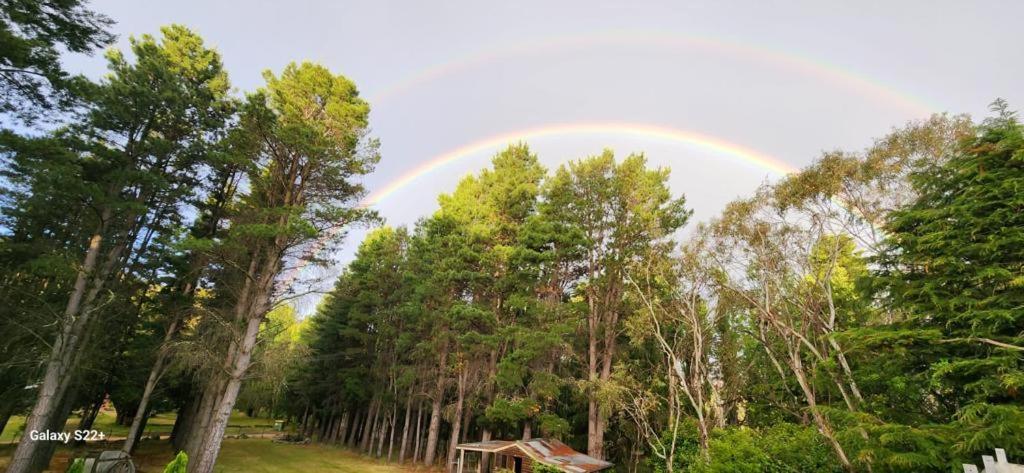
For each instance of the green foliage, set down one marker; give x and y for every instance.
(539, 467)
(952, 263)
(32, 35)
(179, 464)
(513, 300)
(77, 466)
(781, 448)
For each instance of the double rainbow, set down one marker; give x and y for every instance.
(864, 86)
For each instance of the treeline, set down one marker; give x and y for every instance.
(146, 227)
(864, 314)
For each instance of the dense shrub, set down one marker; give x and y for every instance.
(542, 468)
(178, 465)
(783, 448)
(78, 466)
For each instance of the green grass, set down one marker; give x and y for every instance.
(159, 424)
(250, 456)
(258, 456)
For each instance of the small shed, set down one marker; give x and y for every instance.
(520, 456)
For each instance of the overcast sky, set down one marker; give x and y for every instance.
(786, 79)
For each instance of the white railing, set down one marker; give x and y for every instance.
(999, 464)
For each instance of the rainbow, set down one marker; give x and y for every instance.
(812, 67)
(718, 145)
(822, 70)
(735, 151)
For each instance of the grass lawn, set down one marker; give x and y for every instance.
(250, 456)
(158, 424)
(264, 456)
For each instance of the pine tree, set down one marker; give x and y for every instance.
(954, 263)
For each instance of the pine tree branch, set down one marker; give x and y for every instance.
(989, 341)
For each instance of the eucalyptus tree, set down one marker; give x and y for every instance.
(676, 315)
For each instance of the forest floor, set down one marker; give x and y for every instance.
(253, 455)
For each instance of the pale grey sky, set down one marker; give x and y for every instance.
(786, 79)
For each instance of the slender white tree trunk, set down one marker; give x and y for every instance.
(391, 440)
(404, 444)
(419, 432)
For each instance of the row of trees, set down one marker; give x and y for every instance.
(145, 230)
(861, 315)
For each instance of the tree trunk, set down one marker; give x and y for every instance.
(375, 431)
(370, 427)
(819, 418)
(485, 458)
(60, 366)
(154, 376)
(339, 433)
(527, 430)
(182, 422)
(204, 412)
(142, 426)
(456, 420)
(467, 417)
(595, 434)
(331, 426)
(433, 431)
(41, 458)
(382, 432)
(215, 432)
(354, 430)
(391, 441)
(90, 413)
(405, 430)
(419, 432)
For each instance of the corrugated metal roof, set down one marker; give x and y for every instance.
(549, 452)
(488, 446)
(555, 453)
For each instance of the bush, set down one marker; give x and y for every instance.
(78, 466)
(782, 448)
(178, 465)
(542, 468)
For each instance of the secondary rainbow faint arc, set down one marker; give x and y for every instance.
(827, 72)
(739, 152)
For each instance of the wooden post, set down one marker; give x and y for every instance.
(462, 459)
